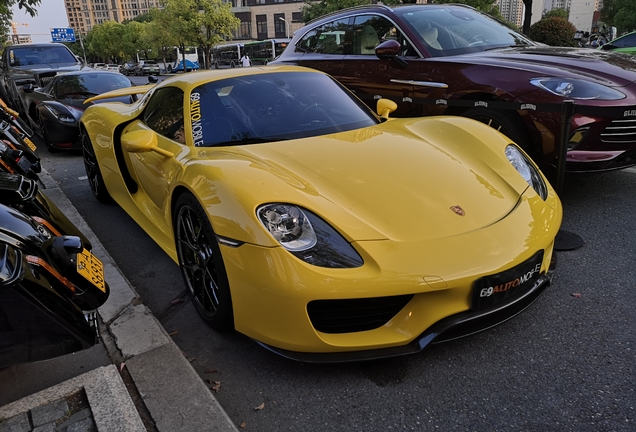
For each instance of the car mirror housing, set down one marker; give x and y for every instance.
(28, 88)
(142, 141)
(386, 107)
(152, 79)
(390, 50)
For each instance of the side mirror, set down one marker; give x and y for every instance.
(385, 107)
(390, 50)
(142, 141)
(152, 79)
(608, 47)
(28, 88)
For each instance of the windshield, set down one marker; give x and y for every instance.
(458, 30)
(40, 55)
(89, 84)
(273, 107)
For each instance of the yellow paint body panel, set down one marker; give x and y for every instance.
(387, 189)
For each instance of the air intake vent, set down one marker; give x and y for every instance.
(354, 315)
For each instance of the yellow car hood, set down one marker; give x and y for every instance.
(435, 180)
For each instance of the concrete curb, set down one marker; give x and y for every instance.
(180, 401)
(112, 407)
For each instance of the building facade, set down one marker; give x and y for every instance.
(260, 19)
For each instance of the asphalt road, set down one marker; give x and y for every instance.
(568, 363)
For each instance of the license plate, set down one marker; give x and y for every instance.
(91, 268)
(30, 144)
(491, 290)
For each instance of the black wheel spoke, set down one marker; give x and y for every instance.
(199, 259)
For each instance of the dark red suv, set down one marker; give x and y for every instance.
(452, 59)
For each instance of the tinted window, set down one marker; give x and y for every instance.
(325, 39)
(40, 55)
(626, 41)
(368, 31)
(89, 84)
(164, 113)
(458, 30)
(273, 107)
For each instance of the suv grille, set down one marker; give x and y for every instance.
(354, 315)
(620, 131)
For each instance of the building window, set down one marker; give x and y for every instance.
(280, 30)
(261, 27)
(297, 17)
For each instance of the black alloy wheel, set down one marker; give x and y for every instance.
(95, 179)
(201, 263)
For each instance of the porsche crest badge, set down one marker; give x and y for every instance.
(458, 210)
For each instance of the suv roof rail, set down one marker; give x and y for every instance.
(353, 8)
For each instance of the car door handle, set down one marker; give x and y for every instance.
(421, 83)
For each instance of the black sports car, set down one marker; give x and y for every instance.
(55, 109)
(32, 63)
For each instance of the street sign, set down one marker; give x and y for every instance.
(63, 34)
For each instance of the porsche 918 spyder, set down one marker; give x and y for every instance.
(322, 230)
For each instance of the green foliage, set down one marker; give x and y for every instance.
(553, 31)
(6, 11)
(619, 13)
(316, 8)
(487, 6)
(560, 13)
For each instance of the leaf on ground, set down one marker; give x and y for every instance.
(216, 386)
(260, 407)
(577, 295)
(173, 333)
(177, 301)
(242, 425)
(121, 366)
(211, 370)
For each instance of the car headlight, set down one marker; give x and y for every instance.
(307, 236)
(65, 117)
(527, 170)
(577, 89)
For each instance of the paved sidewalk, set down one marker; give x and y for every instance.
(179, 401)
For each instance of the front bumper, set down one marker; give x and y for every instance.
(272, 290)
(449, 328)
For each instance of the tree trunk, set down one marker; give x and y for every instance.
(527, 17)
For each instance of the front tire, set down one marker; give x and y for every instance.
(45, 135)
(508, 125)
(95, 179)
(201, 263)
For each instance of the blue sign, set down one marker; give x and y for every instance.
(63, 35)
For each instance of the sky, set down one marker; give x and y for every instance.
(51, 14)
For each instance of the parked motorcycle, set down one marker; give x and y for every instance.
(50, 282)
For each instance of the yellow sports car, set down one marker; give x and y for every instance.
(321, 230)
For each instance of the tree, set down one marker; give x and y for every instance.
(554, 31)
(317, 8)
(106, 41)
(625, 16)
(561, 13)
(527, 16)
(216, 23)
(180, 18)
(6, 11)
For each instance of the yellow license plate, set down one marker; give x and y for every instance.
(91, 268)
(30, 144)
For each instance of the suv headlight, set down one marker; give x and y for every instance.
(527, 170)
(307, 236)
(577, 89)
